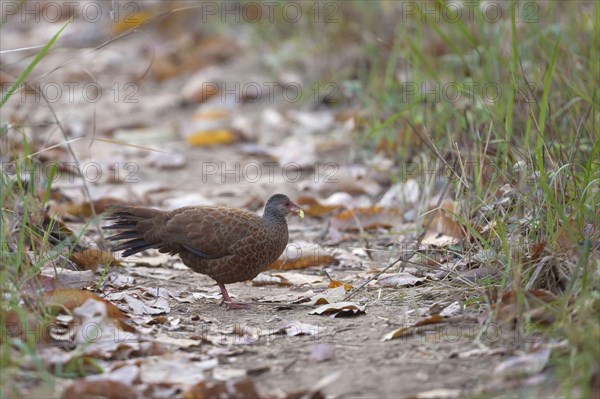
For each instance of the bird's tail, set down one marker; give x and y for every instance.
(139, 226)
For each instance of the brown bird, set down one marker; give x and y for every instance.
(227, 244)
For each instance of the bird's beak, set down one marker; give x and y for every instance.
(296, 209)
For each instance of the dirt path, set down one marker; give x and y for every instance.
(340, 357)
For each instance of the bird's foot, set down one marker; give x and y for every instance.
(227, 300)
(232, 305)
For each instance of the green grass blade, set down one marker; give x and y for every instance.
(32, 65)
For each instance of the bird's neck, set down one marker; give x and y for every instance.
(271, 219)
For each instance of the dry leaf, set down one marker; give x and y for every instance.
(175, 368)
(401, 279)
(226, 390)
(339, 309)
(452, 310)
(71, 298)
(366, 218)
(212, 137)
(131, 21)
(336, 201)
(566, 238)
(159, 305)
(66, 278)
(126, 374)
(109, 389)
(294, 328)
(335, 284)
(179, 342)
(523, 365)
(92, 258)
(443, 229)
(331, 295)
(403, 331)
(300, 255)
(266, 279)
(298, 279)
(401, 194)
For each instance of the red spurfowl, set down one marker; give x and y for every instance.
(227, 244)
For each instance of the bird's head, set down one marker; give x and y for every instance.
(282, 205)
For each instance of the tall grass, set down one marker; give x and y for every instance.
(545, 124)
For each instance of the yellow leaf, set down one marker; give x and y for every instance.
(127, 22)
(212, 137)
(336, 283)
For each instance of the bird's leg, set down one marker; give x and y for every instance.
(227, 300)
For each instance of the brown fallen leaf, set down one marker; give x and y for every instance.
(366, 218)
(132, 21)
(336, 283)
(339, 309)
(336, 201)
(92, 258)
(300, 255)
(227, 390)
(443, 229)
(71, 298)
(403, 331)
(108, 389)
(181, 58)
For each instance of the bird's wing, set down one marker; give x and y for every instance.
(210, 232)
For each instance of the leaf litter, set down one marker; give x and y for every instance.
(202, 361)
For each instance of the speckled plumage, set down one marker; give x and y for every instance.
(227, 244)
